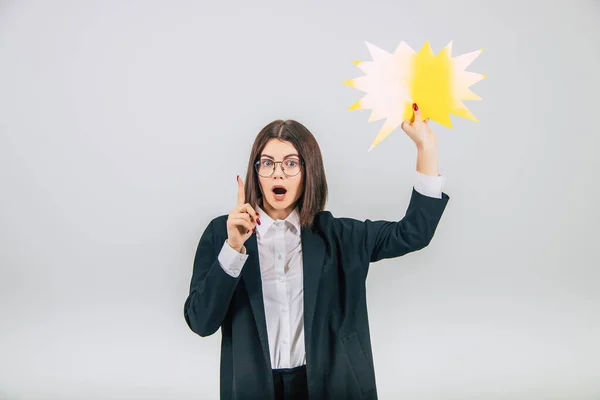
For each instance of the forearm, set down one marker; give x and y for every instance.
(213, 284)
(427, 160)
(209, 299)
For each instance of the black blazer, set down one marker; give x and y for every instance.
(336, 256)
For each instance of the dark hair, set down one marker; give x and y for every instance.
(314, 194)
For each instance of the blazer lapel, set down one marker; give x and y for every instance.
(313, 252)
(252, 279)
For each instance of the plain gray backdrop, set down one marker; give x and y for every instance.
(123, 125)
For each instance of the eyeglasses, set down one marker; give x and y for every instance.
(265, 167)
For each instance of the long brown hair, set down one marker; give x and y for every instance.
(314, 195)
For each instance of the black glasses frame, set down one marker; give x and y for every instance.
(257, 164)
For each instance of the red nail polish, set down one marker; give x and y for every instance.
(253, 230)
(258, 221)
(415, 107)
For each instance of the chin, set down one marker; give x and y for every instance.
(280, 204)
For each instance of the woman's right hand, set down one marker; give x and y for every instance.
(242, 220)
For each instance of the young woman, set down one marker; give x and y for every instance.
(285, 280)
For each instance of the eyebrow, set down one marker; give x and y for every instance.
(289, 155)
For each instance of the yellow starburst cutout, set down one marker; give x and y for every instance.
(394, 81)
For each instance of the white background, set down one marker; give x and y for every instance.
(123, 125)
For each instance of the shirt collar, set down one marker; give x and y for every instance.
(266, 221)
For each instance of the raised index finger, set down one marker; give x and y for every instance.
(417, 115)
(241, 198)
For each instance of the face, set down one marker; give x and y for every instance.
(280, 192)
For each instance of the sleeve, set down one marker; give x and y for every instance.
(211, 288)
(389, 239)
(231, 261)
(428, 185)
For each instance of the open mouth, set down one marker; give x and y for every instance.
(279, 191)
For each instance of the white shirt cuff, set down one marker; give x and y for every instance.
(231, 261)
(428, 185)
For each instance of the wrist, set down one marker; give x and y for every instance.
(427, 147)
(234, 246)
(427, 160)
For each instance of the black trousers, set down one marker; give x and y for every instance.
(290, 383)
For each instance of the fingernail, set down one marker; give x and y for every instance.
(253, 230)
(237, 178)
(248, 232)
(258, 221)
(415, 107)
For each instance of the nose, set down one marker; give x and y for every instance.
(278, 170)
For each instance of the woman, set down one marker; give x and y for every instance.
(285, 280)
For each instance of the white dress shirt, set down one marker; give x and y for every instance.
(280, 259)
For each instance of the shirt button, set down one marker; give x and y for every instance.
(279, 256)
(282, 279)
(235, 272)
(283, 310)
(285, 342)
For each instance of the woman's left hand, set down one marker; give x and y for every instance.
(418, 130)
